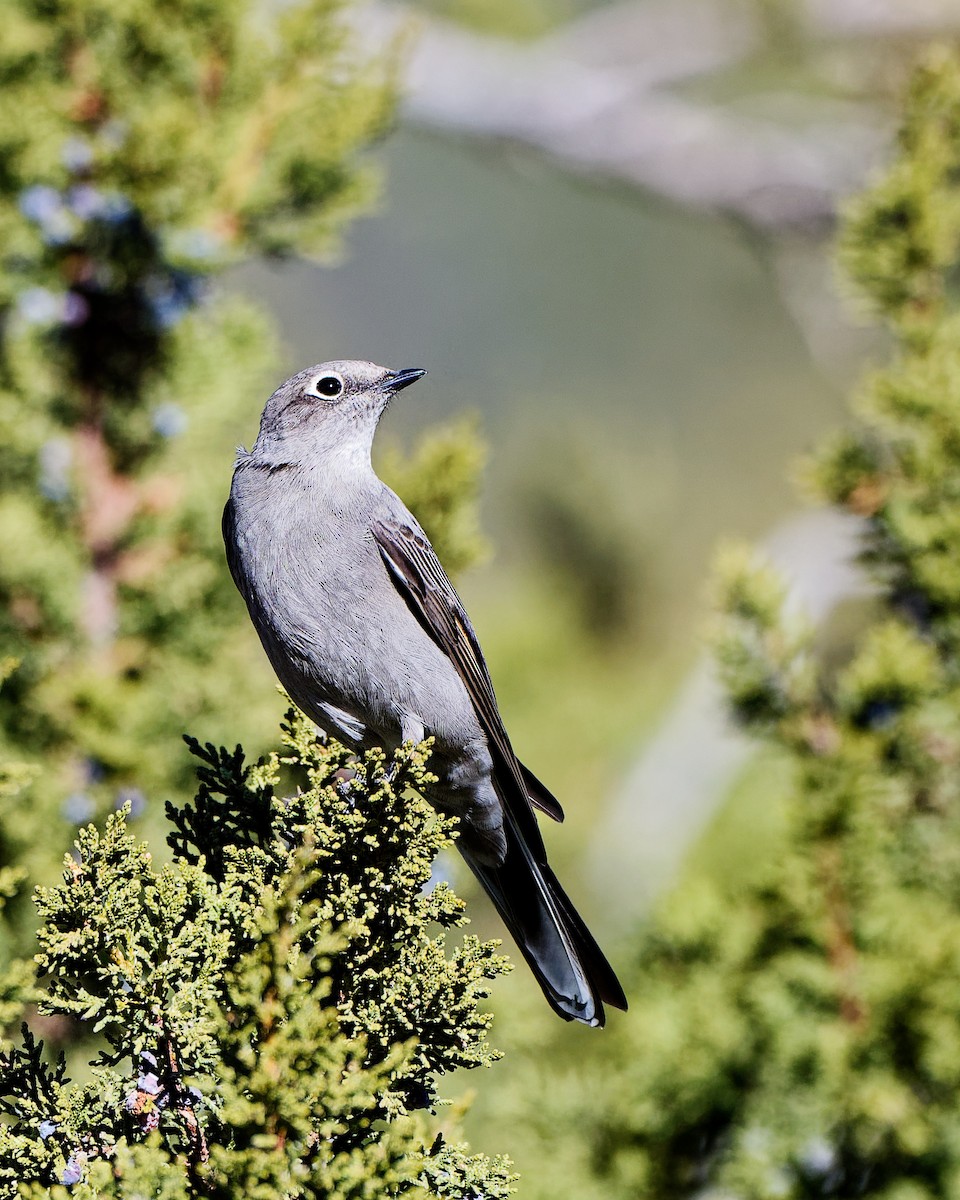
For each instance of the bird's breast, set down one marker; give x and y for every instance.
(336, 629)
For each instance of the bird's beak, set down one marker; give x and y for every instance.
(401, 379)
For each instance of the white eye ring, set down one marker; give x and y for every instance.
(328, 378)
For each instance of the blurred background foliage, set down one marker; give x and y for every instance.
(644, 373)
(794, 1023)
(134, 170)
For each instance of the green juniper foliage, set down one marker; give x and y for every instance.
(276, 1004)
(796, 1033)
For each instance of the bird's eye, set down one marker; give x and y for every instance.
(329, 385)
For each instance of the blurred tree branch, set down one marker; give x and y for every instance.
(600, 96)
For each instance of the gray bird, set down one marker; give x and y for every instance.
(367, 635)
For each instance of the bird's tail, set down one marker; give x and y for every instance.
(568, 964)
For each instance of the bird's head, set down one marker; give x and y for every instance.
(332, 408)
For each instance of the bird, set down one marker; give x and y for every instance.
(369, 638)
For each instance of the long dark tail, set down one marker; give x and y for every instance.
(568, 964)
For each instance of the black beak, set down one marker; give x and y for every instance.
(401, 379)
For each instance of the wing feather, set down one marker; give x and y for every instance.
(422, 581)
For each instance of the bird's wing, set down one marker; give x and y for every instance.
(567, 962)
(422, 581)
